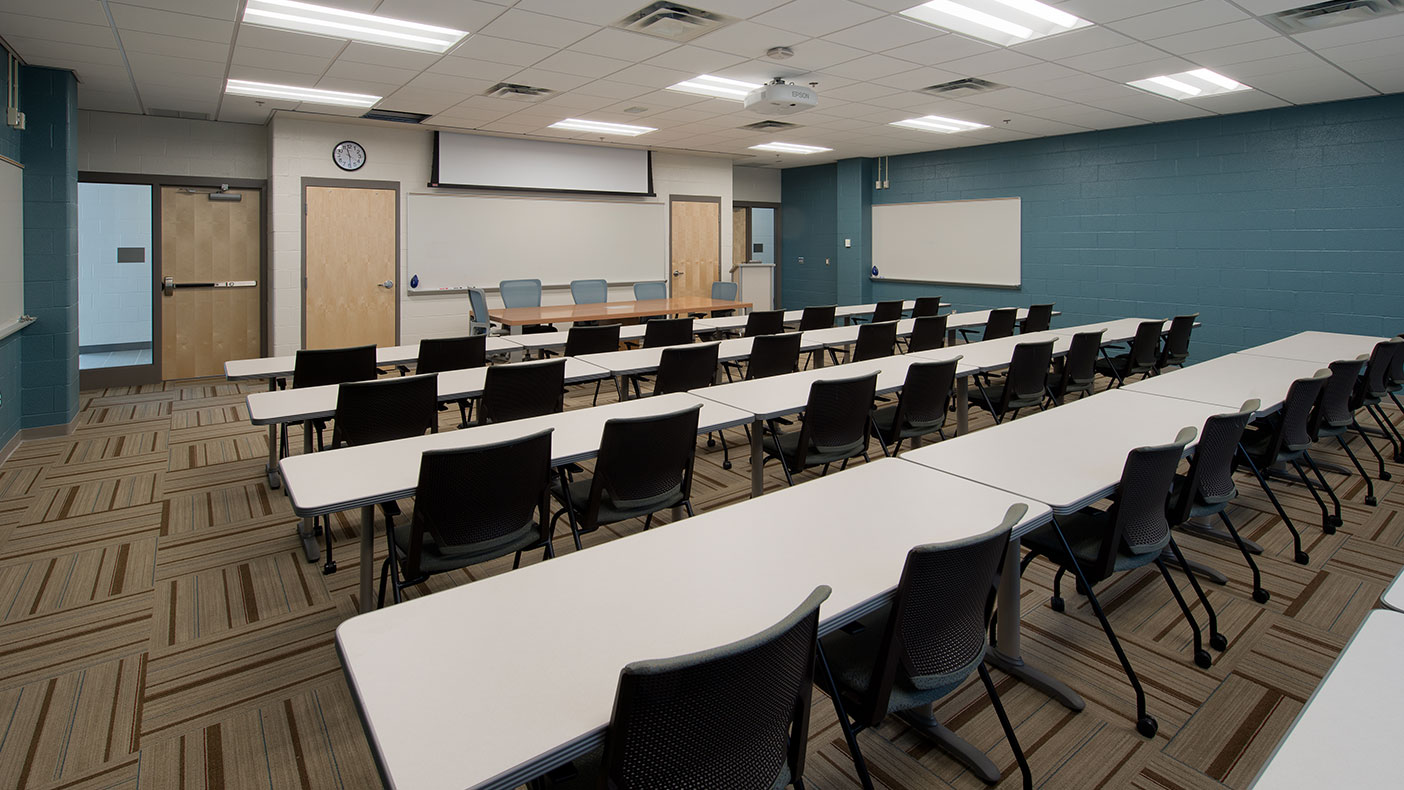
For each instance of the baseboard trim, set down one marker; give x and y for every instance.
(32, 434)
(11, 446)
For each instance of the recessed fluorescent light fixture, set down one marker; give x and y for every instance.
(267, 90)
(579, 125)
(1003, 22)
(716, 87)
(935, 123)
(789, 148)
(1195, 84)
(338, 23)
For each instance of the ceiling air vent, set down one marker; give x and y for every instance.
(508, 90)
(959, 88)
(769, 126)
(673, 21)
(193, 116)
(395, 115)
(1334, 13)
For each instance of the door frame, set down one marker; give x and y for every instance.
(347, 183)
(748, 205)
(152, 374)
(668, 275)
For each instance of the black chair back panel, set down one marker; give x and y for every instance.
(1040, 317)
(926, 395)
(1385, 368)
(440, 354)
(764, 322)
(1144, 345)
(1028, 374)
(773, 355)
(1335, 395)
(1000, 323)
(928, 333)
(926, 306)
(686, 368)
(592, 340)
(521, 390)
(1177, 341)
(379, 411)
(887, 311)
(1210, 478)
(817, 317)
(1140, 509)
(875, 340)
(1296, 428)
(667, 332)
(645, 460)
(318, 367)
(1080, 364)
(836, 417)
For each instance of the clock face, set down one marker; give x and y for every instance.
(349, 155)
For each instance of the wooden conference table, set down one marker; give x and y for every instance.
(516, 317)
(532, 689)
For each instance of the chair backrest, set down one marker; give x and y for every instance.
(875, 340)
(482, 501)
(589, 291)
(836, 416)
(764, 322)
(926, 306)
(521, 390)
(1210, 477)
(438, 354)
(817, 317)
(379, 411)
(686, 368)
(592, 339)
(651, 290)
(1040, 317)
(1334, 406)
(935, 633)
(725, 290)
(1296, 424)
(887, 311)
(1394, 374)
(317, 367)
(645, 463)
(773, 355)
(1144, 346)
(478, 323)
(520, 293)
(667, 332)
(1382, 373)
(1140, 519)
(928, 333)
(1176, 349)
(1027, 380)
(1080, 364)
(926, 396)
(1000, 323)
(730, 717)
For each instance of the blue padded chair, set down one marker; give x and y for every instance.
(478, 323)
(589, 291)
(651, 290)
(523, 293)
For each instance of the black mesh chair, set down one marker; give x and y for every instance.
(644, 466)
(1140, 360)
(764, 322)
(1039, 318)
(887, 311)
(1176, 350)
(875, 341)
(836, 427)
(442, 354)
(1393, 384)
(471, 505)
(321, 367)
(926, 306)
(1077, 370)
(667, 332)
(821, 317)
(521, 390)
(928, 333)
(1207, 488)
(1337, 418)
(380, 411)
(773, 355)
(1097, 544)
(1384, 375)
(922, 647)
(1284, 437)
(592, 339)
(734, 717)
(1024, 387)
(1000, 323)
(685, 368)
(921, 407)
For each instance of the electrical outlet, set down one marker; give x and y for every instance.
(801, 259)
(826, 261)
(848, 243)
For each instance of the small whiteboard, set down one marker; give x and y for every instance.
(963, 242)
(11, 242)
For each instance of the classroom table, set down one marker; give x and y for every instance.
(364, 476)
(1117, 330)
(274, 368)
(1067, 458)
(514, 318)
(532, 686)
(844, 312)
(1229, 380)
(640, 361)
(1394, 596)
(1348, 733)
(1322, 347)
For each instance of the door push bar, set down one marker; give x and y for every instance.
(168, 285)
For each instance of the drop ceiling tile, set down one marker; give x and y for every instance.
(697, 60)
(658, 101)
(1016, 100)
(1391, 81)
(622, 44)
(575, 103)
(609, 89)
(817, 54)
(38, 52)
(1312, 85)
(170, 23)
(909, 101)
(542, 78)
(869, 67)
(365, 72)
(1114, 57)
(474, 69)
(281, 60)
(215, 9)
(540, 29)
(990, 62)
(596, 12)
(1140, 71)
(884, 33)
(389, 57)
(942, 49)
(33, 27)
(652, 76)
(1234, 33)
(1036, 76)
(1242, 101)
(133, 41)
(1261, 7)
(418, 100)
(1179, 19)
(266, 38)
(88, 13)
(748, 39)
(107, 101)
(858, 91)
(1102, 11)
(1362, 51)
(917, 79)
(1384, 27)
(1247, 72)
(460, 14)
(1241, 53)
(1091, 117)
(453, 88)
(580, 63)
(1074, 42)
(381, 89)
(146, 67)
(501, 50)
(817, 17)
(258, 73)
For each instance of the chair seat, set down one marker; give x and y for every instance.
(1085, 531)
(787, 445)
(1118, 364)
(609, 513)
(884, 417)
(1200, 508)
(536, 329)
(1256, 442)
(433, 560)
(852, 656)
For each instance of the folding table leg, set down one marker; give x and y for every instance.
(1006, 655)
(962, 408)
(367, 558)
(271, 469)
(307, 530)
(757, 459)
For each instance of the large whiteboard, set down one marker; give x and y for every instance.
(11, 242)
(456, 241)
(965, 242)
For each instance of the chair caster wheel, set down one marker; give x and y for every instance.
(1371, 501)
(1202, 659)
(726, 464)
(1219, 642)
(317, 530)
(1336, 521)
(1383, 476)
(1328, 528)
(329, 569)
(711, 442)
(1056, 603)
(1302, 558)
(1147, 726)
(1261, 596)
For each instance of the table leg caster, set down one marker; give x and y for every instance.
(1261, 596)
(1202, 659)
(329, 569)
(1302, 558)
(1147, 726)
(1219, 642)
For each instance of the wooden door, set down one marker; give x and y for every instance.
(204, 241)
(740, 236)
(696, 246)
(350, 254)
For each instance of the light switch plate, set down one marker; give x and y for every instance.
(848, 242)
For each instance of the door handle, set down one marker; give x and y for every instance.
(677, 273)
(388, 284)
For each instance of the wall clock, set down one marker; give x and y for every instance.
(349, 155)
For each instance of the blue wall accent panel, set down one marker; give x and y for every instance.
(809, 230)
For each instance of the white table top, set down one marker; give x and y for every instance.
(540, 340)
(643, 360)
(312, 403)
(1116, 331)
(734, 322)
(793, 316)
(518, 687)
(1321, 347)
(1230, 380)
(348, 477)
(1394, 596)
(1348, 734)
(282, 367)
(1069, 456)
(996, 354)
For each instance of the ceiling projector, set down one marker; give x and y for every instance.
(780, 98)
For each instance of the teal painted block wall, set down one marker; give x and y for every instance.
(10, 398)
(1268, 223)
